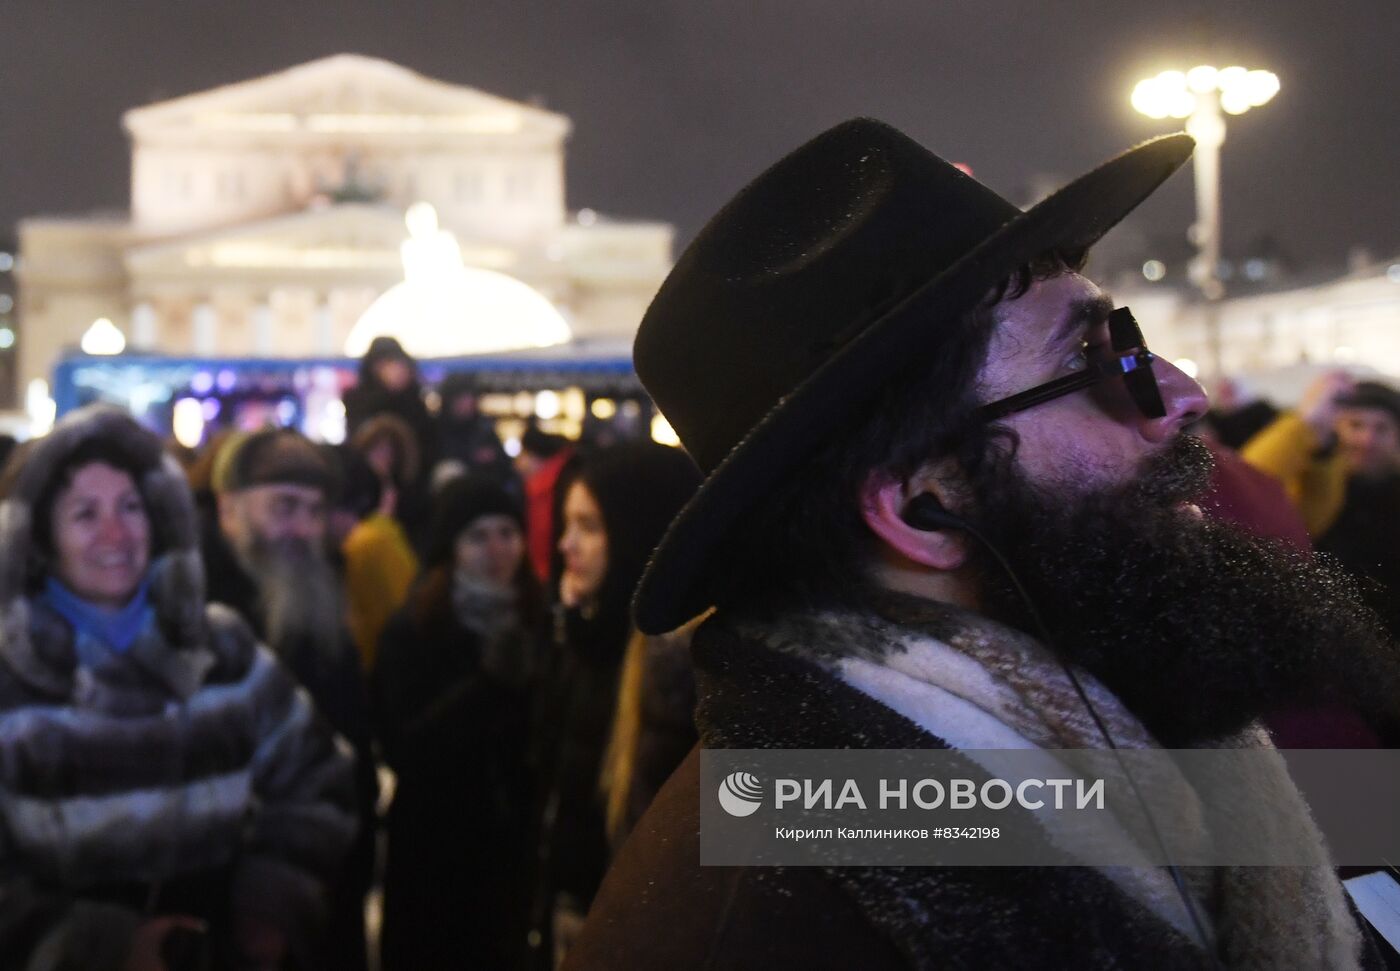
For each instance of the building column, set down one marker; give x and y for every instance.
(205, 337)
(323, 328)
(262, 329)
(143, 326)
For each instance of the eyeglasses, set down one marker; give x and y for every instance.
(1131, 360)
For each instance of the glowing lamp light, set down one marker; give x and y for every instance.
(1260, 86)
(1150, 101)
(603, 408)
(1204, 97)
(1234, 102)
(1201, 78)
(332, 425)
(547, 405)
(1182, 104)
(7, 338)
(1177, 95)
(104, 338)
(40, 407)
(187, 422)
(662, 433)
(1229, 77)
(572, 403)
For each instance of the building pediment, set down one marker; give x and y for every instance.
(345, 237)
(341, 97)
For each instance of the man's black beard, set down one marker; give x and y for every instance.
(1197, 627)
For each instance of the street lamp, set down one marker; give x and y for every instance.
(1200, 95)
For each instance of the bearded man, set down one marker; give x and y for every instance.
(270, 560)
(894, 381)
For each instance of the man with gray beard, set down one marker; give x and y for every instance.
(269, 559)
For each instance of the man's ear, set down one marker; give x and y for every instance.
(884, 502)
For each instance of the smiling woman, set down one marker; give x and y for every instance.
(101, 534)
(155, 761)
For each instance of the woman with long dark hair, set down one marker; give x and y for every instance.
(614, 512)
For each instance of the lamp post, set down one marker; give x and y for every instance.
(1203, 96)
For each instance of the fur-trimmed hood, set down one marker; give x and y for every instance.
(176, 572)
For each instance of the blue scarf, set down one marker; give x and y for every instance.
(117, 628)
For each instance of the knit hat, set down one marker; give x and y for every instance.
(460, 503)
(275, 456)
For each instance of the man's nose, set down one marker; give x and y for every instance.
(1364, 437)
(308, 526)
(1185, 400)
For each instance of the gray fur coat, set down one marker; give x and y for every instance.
(185, 775)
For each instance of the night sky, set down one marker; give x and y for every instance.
(676, 104)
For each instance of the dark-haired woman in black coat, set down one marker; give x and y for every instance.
(614, 512)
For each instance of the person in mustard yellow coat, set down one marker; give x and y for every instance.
(1338, 457)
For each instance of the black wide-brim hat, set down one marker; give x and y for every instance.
(800, 299)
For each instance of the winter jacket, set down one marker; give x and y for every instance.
(186, 775)
(1288, 449)
(1354, 518)
(336, 684)
(367, 399)
(542, 503)
(379, 568)
(812, 683)
(455, 734)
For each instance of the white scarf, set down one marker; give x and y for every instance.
(990, 687)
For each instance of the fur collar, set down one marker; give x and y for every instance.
(911, 674)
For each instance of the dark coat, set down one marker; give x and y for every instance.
(1366, 538)
(337, 687)
(456, 737)
(659, 909)
(574, 717)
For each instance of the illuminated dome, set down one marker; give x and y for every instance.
(445, 309)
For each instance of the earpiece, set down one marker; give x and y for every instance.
(927, 514)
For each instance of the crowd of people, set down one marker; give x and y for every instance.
(206, 668)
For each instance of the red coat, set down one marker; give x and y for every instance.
(539, 512)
